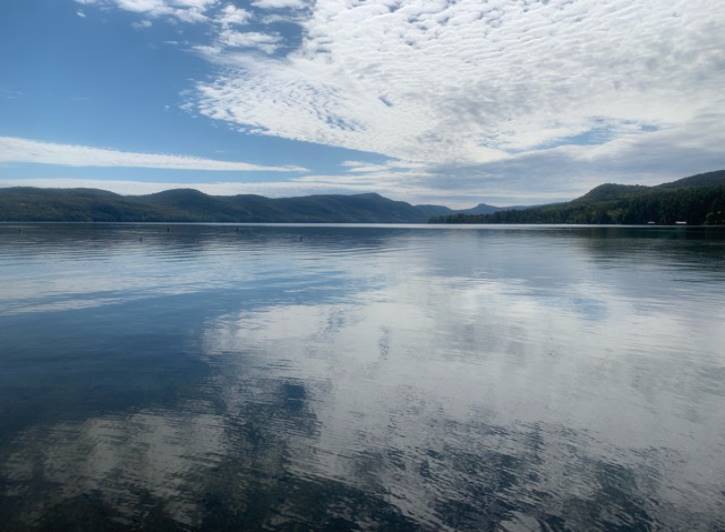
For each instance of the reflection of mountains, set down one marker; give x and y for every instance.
(174, 243)
(186, 237)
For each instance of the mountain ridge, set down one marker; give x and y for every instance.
(18, 204)
(696, 200)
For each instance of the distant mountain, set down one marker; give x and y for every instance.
(483, 208)
(696, 200)
(611, 191)
(707, 179)
(435, 210)
(187, 205)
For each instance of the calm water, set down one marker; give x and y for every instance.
(336, 378)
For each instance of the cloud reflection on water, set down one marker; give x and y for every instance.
(399, 378)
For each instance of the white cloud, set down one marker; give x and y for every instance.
(20, 150)
(192, 11)
(81, 14)
(231, 15)
(473, 81)
(266, 42)
(393, 164)
(142, 24)
(280, 4)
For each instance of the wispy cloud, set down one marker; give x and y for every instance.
(10, 94)
(280, 4)
(142, 24)
(231, 15)
(192, 11)
(18, 150)
(267, 42)
(471, 81)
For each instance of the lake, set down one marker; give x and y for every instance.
(221, 377)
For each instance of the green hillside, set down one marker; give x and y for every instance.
(185, 205)
(697, 200)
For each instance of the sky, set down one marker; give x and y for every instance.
(455, 102)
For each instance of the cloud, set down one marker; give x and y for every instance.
(20, 150)
(266, 42)
(280, 4)
(231, 15)
(504, 101)
(390, 165)
(475, 82)
(142, 24)
(566, 171)
(191, 11)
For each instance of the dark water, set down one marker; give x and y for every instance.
(337, 378)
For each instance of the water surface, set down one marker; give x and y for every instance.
(341, 378)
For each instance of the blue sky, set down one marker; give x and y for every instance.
(454, 102)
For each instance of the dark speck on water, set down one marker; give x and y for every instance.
(371, 377)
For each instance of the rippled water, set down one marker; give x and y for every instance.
(335, 378)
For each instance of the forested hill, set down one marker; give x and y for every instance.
(27, 204)
(186, 205)
(697, 200)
